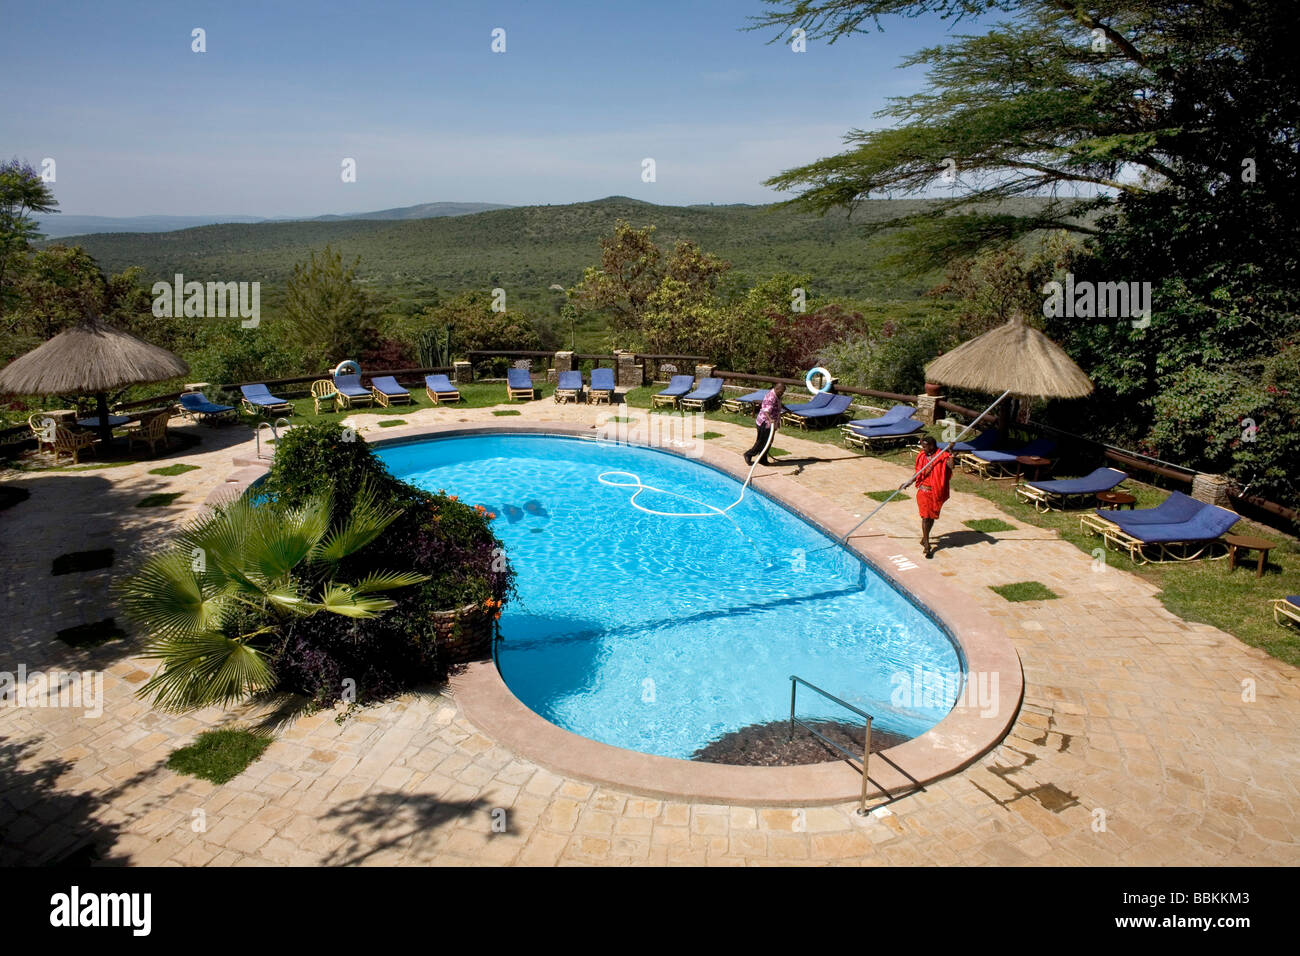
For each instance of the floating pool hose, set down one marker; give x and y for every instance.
(641, 486)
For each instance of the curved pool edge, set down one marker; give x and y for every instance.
(963, 736)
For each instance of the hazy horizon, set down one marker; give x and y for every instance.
(259, 124)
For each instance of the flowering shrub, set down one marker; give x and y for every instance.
(436, 535)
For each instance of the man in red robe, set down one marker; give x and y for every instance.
(933, 471)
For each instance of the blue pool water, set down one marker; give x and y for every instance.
(660, 634)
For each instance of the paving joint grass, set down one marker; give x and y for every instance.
(1024, 591)
(219, 756)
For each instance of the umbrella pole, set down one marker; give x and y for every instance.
(101, 411)
(978, 418)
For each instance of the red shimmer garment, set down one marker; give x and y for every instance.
(932, 490)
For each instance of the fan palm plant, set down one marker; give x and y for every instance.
(218, 597)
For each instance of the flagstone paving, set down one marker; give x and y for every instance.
(1139, 741)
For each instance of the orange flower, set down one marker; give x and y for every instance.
(491, 516)
(452, 498)
(497, 616)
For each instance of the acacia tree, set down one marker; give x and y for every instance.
(1108, 99)
(22, 192)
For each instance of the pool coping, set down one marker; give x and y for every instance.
(970, 730)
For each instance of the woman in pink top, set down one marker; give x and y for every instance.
(769, 419)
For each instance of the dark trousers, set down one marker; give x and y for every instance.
(760, 442)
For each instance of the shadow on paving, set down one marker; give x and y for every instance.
(377, 822)
(69, 512)
(42, 825)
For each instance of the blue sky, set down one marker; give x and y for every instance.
(260, 123)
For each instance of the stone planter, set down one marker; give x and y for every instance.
(464, 634)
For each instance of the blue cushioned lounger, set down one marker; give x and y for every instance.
(678, 386)
(708, 390)
(1048, 494)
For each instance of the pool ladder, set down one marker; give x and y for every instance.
(275, 436)
(866, 745)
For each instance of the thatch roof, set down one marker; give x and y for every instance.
(1011, 357)
(90, 357)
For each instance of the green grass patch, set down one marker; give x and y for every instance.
(160, 499)
(391, 422)
(1025, 591)
(506, 411)
(712, 435)
(172, 470)
(779, 452)
(989, 524)
(219, 755)
(885, 495)
(91, 635)
(76, 562)
(10, 496)
(621, 419)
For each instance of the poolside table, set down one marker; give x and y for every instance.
(1035, 462)
(1242, 542)
(1115, 500)
(114, 421)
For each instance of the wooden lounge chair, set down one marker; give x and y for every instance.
(1287, 607)
(70, 442)
(1053, 495)
(746, 404)
(871, 439)
(709, 390)
(825, 414)
(439, 389)
(387, 392)
(671, 396)
(323, 390)
(569, 387)
(990, 464)
(351, 392)
(259, 400)
(602, 386)
(519, 384)
(152, 431)
(1178, 529)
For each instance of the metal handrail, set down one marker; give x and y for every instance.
(866, 745)
(275, 434)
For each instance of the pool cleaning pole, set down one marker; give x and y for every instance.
(899, 489)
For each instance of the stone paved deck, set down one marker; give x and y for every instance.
(1134, 744)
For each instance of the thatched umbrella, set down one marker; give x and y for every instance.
(1012, 359)
(90, 358)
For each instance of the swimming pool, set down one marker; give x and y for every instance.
(661, 634)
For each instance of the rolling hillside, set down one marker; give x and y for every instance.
(522, 249)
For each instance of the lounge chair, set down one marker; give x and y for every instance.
(1049, 495)
(1287, 607)
(990, 463)
(70, 442)
(745, 404)
(258, 400)
(984, 441)
(196, 407)
(678, 386)
(351, 391)
(439, 389)
(895, 415)
(1178, 529)
(569, 387)
(820, 400)
(387, 392)
(323, 390)
(827, 414)
(708, 390)
(869, 439)
(519, 384)
(602, 386)
(152, 431)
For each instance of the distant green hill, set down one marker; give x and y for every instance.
(523, 249)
